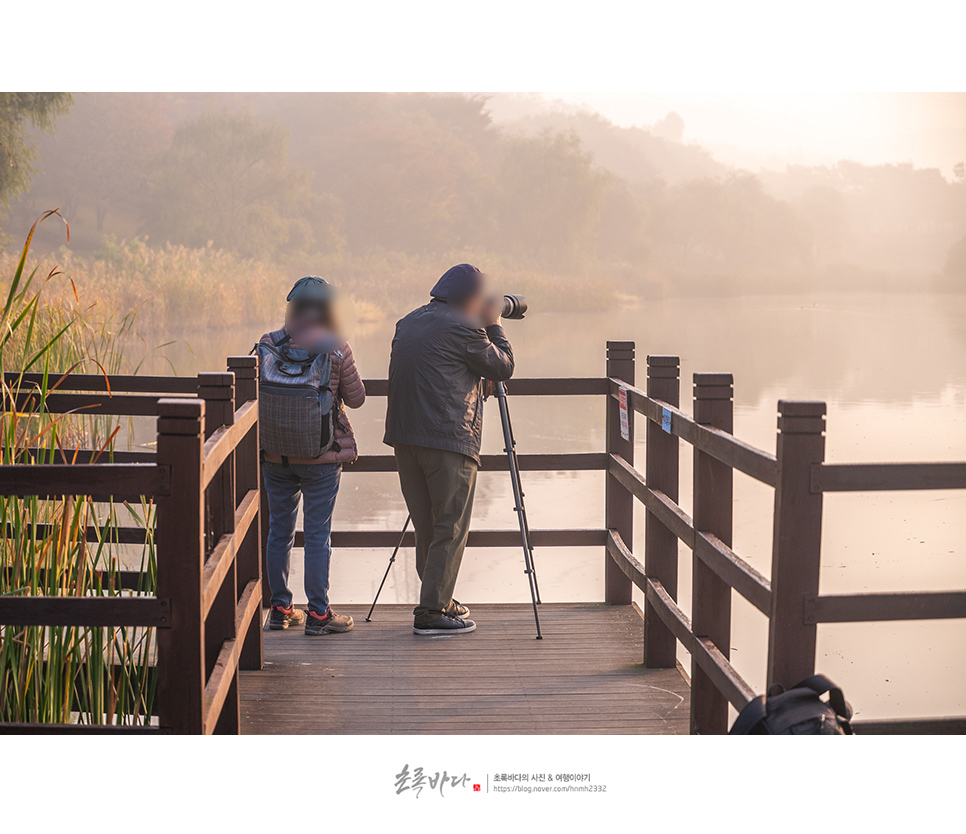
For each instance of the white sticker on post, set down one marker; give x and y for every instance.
(625, 422)
(666, 420)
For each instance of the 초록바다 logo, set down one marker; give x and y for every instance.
(417, 779)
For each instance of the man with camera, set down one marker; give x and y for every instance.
(442, 353)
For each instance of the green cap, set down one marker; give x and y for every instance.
(310, 289)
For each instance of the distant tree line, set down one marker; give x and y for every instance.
(292, 177)
(19, 112)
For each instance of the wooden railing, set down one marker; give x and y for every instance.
(572, 461)
(790, 598)
(797, 472)
(204, 481)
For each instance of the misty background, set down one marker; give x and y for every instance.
(813, 245)
(583, 201)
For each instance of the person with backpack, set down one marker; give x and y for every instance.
(307, 376)
(441, 355)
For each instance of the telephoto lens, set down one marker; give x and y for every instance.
(514, 306)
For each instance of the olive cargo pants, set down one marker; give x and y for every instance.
(438, 487)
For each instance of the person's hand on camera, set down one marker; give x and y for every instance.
(492, 311)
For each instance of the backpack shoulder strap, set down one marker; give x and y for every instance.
(325, 361)
(751, 715)
(819, 684)
(277, 338)
(273, 350)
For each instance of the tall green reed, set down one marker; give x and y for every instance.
(69, 546)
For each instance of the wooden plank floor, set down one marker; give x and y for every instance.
(585, 676)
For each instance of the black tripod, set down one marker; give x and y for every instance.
(519, 508)
(392, 559)
(510, 447)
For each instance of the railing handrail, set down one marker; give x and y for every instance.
(104, 481)
(877, 477)
(115, 383)
(82, 404)
(233, 563)
(71, 457)
(232, 431)
(727, 448)
(226, 438)
(530, 462)
(94, 611)
(799, 422)
(526, 386)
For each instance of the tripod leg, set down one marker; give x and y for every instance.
(515, 473)
(392, 559)
(518, 500)
(533, 563)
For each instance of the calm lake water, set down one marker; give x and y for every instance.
(892, 369)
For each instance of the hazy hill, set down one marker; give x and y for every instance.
(639, 155)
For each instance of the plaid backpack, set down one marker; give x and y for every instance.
(295, 402)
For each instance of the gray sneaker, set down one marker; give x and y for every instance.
(445, 625)
(281, 618)
(331, 623)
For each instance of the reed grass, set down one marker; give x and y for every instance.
(189, 290)
(186, 290)
(65, 674)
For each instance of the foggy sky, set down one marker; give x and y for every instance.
(772, 129)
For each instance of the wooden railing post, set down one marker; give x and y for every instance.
(619, 502)
(248, 475)
(661, 472)
(263, 516)
(218, 392)
(263, 532)
(180, 536)
(711, 595)
(796, 542)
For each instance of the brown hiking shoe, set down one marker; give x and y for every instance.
(331, 623)
(457, 609)
(281, 618)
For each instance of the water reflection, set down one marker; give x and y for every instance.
(892, 370)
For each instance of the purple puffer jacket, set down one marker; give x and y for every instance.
(348, 390)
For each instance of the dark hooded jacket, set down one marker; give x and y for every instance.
(435, 379)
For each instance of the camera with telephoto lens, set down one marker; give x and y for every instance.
(514, 306)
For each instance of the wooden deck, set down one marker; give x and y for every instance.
(585, 676)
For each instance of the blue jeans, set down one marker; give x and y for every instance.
(318, 484)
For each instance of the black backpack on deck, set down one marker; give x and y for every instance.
(796, 711)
